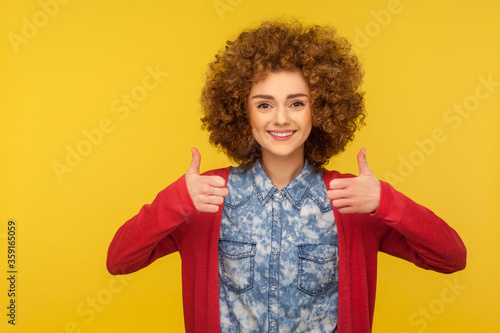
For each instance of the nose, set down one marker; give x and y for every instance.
(281, 116)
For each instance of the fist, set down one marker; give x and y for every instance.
(356, 195)
(207, 192)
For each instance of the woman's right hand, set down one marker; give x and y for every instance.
(207, 192)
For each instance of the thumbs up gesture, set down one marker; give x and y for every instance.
(356, 195)
(207, 192)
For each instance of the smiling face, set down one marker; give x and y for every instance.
(279, 109)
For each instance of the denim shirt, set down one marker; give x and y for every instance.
(278, 254)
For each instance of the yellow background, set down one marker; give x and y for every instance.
(63, 78)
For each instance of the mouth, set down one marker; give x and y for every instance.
(281, 135)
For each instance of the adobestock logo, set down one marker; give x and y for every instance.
(223, 6)
(454, 118)
(373, 28)
(30, 27)
(425, 315)
(121, 106)
(89, 309)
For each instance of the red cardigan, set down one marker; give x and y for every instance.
(399, 227)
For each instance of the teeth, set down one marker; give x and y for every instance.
(281, 135)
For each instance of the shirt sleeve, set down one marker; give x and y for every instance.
(418, 235)
(154, 232)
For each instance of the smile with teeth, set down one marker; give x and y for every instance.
(281, 134)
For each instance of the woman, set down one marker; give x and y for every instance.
(279, 243)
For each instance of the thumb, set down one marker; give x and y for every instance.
(364, 169)
(194, 168)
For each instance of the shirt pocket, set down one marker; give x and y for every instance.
(236, 264)
(317, 267)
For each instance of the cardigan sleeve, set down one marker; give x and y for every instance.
(418, 235)
(153, 232)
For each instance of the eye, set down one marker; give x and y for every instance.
(297, 104)
(263, 106)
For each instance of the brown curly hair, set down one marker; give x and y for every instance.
(333, 73)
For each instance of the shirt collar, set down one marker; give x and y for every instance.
(296, 191)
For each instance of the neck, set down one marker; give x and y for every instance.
(282, 170)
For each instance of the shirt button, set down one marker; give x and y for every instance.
(273, 288)
(276, 218)
(275, 252)
(232, 251)
(321, 255)
(277, 194)
(273, 323)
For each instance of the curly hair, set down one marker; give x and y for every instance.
(331, 70)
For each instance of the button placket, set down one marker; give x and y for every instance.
(273, 283)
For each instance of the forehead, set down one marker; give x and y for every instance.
(281, 82)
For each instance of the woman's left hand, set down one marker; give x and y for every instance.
(360, 194)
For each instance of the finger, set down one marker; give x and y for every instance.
(341, 203)
(204, 188)
(339, 183)
(217, 191)
(347, 210)
(336, 194)
(223, 192)
(364, 169)
(208, 208)
(194, 168)
(214, 200)
(216, 181)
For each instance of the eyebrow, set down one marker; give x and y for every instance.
(288, 97)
